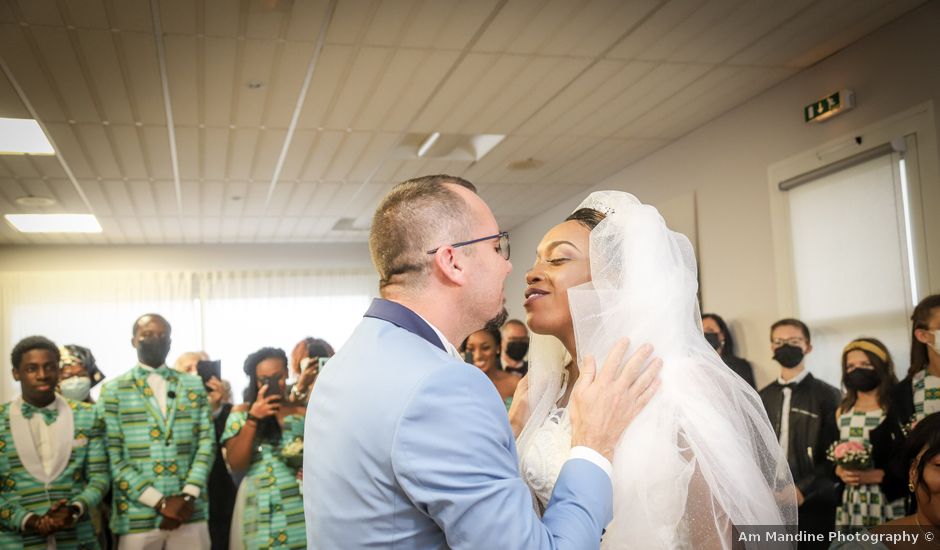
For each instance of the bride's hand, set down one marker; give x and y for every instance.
(519, 410)
(603, 404)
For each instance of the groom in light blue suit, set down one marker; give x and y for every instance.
(409, 447)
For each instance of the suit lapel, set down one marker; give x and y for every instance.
(147, 396)
(23, 441)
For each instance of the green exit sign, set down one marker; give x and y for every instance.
(830, 106)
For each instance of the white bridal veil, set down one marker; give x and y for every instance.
(702, 455)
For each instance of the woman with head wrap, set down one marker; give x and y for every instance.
(78, 373)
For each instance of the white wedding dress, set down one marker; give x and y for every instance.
(702, 455)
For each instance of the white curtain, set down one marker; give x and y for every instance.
(227, 314)
(245, 311)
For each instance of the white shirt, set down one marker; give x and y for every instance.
(785, 408)
(578, 452)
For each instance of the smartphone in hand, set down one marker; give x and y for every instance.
(208, 369)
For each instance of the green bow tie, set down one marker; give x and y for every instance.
(48, 415)
(164, 372)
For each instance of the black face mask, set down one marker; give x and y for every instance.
(861, 380)
(153, 351)
(714, 339)
(788, 356)
(516, 350)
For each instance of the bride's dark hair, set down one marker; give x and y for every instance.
(588, 217)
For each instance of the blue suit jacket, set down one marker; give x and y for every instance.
(408, 447)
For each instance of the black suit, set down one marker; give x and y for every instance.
(812, 429)
(221, 489)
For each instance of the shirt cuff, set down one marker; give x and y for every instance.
(81, 507)
(150, 497)
(592, 456)
(25, 519)
(192, 490)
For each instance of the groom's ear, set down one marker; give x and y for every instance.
(450, 266)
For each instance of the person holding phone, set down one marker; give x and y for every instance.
(263, 439)
(307, 358)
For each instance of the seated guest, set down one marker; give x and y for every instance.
(515, 337)
(718, 335)
(802, 411)
(919, 393)
(481, 349)
(78, 373)
(53, 468)
(160, 444)
(305, 366)
(263, 440)
(221, 486)
(868, 377)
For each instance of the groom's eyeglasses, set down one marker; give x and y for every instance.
(502, 247)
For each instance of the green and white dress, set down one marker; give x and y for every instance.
(270, 508)
(926, 394)
(864, 505)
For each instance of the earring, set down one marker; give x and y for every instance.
(910, 486)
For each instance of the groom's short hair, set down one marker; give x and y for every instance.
(416, 216)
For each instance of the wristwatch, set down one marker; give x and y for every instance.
(189, 498)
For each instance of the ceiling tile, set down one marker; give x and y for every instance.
(669, 15)
(178, 17)
(157, 151)
(40, 12)
(129, 152)
(222, 17)
(143, 76)
(332, 65)
(182, 55)
(365, 72)
(267, 153)
(96, 143)
(350, 21)
(105, 75)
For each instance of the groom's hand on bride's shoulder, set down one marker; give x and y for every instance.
(604, 403)
(519, 410)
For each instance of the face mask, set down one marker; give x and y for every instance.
(861, 380)
(516, 350)
(75, 388)
(714, 339)
(936, 341)
(153, 351)
(788, 356)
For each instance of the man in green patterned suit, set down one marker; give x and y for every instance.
(161, 444)
(53, 468)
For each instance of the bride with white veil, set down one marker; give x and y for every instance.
(702, 456)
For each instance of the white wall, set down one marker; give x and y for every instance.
(724, 165)
(185, 257)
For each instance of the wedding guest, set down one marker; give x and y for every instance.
(78, 373)
(53, 468)
(919, 393)
(221, 486)
(868, 377)
(718, 335)
(802, 410)
(482, 349)
(263, 440)
(922, 459)
(515, 346)
(305, 366)
(160, 445)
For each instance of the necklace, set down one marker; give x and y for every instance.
(922, 530)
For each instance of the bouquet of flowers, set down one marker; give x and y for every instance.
(851, 455)
(293, 453)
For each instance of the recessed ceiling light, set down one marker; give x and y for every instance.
(54, 223)
(254, 84)
(35, 201)
(23, 136)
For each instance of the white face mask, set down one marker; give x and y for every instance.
(936, 341)
(75, 388)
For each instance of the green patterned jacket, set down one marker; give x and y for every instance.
(80, 474)
(147, 450)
